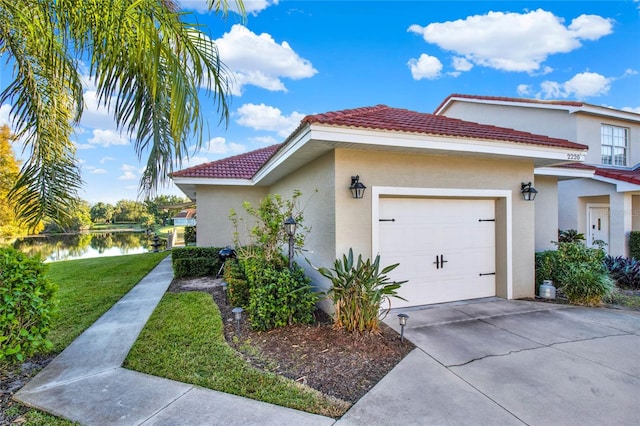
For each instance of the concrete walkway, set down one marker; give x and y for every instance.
(484, 362)
(86, 382)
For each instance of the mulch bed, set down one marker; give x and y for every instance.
(334, 362)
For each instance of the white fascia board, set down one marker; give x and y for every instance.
(609, 112)
(561, 172)
(283, 153)
(212, 181)
(621, 186)
(439, 143)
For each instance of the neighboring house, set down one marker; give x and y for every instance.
(442, 199)
(186, 217)
(599, 198)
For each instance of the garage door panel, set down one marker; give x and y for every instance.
(460, 232)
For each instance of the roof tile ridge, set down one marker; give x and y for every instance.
(275, 147)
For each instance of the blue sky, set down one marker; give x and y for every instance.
(293, 58)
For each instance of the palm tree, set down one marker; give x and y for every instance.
(148, 64)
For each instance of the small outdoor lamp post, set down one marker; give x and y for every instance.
(225, 288)
(237, 312)
(290, 227)
(528, 191)
(403, 321)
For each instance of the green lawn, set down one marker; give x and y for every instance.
(184, 341)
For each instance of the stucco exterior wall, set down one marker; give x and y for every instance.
(573, 196)
(546, 206)
(555, 123)
(213, 207)
(316, 182)
(353, 217)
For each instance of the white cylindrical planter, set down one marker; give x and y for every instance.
(547, 290)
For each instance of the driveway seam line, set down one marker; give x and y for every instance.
(161, 409)
(68, 381)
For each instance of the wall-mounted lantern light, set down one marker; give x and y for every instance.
(290, 228)
(403, 321)
(357, 188)
(528, 191)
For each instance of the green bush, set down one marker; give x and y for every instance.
(634, 244)
(238, 287)
(27, 304)
(195, 261)
(578, 271)
(189, 234)
(358, 292)
(277, 296)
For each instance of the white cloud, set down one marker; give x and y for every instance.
(260, 61)
(524, 89)
(4, 114)
(130, 172)
(513, 41)
(95, 170)
(461, 64)
(105, 159)
(580, 86)
(107, 138)
(252, 7)
(266, 140)
(95, 116)
(219, 145)
(84, 146)
(263, 117)
(426, 66)
(194, 160)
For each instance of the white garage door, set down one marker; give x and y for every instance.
(445, 248)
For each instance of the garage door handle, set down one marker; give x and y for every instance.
(490, 273)
(442, 261)
(386, 220)
(437, 262)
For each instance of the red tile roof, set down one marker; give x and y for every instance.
(242, 166)
(379, 117)
(514, 100)
(382, 117)
(631, 176)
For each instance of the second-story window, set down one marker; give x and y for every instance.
(614, 142)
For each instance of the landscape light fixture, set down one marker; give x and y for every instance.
(403, 321)
(290, 228)
(528, 191)
(225, 287)
(357, 188)
(237, 312)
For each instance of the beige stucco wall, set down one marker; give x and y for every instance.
(316, 182)
(353, 217)
(546, 206)
(214, 204)
(555, 123)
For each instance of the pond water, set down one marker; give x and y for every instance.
(53, 248)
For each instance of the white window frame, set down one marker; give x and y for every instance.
(608, 143)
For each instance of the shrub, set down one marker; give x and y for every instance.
(569, 236)
(277, 296)
(189, 235)
(195, 261)
(238, 287)
(580, 273)
(358, 292)
(634, 244)
(624, 271)
(27, 304)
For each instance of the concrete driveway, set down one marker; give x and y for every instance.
(498, 362)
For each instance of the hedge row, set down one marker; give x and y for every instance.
(634, 244)
(195, 261)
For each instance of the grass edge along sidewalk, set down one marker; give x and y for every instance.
(87, 289)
